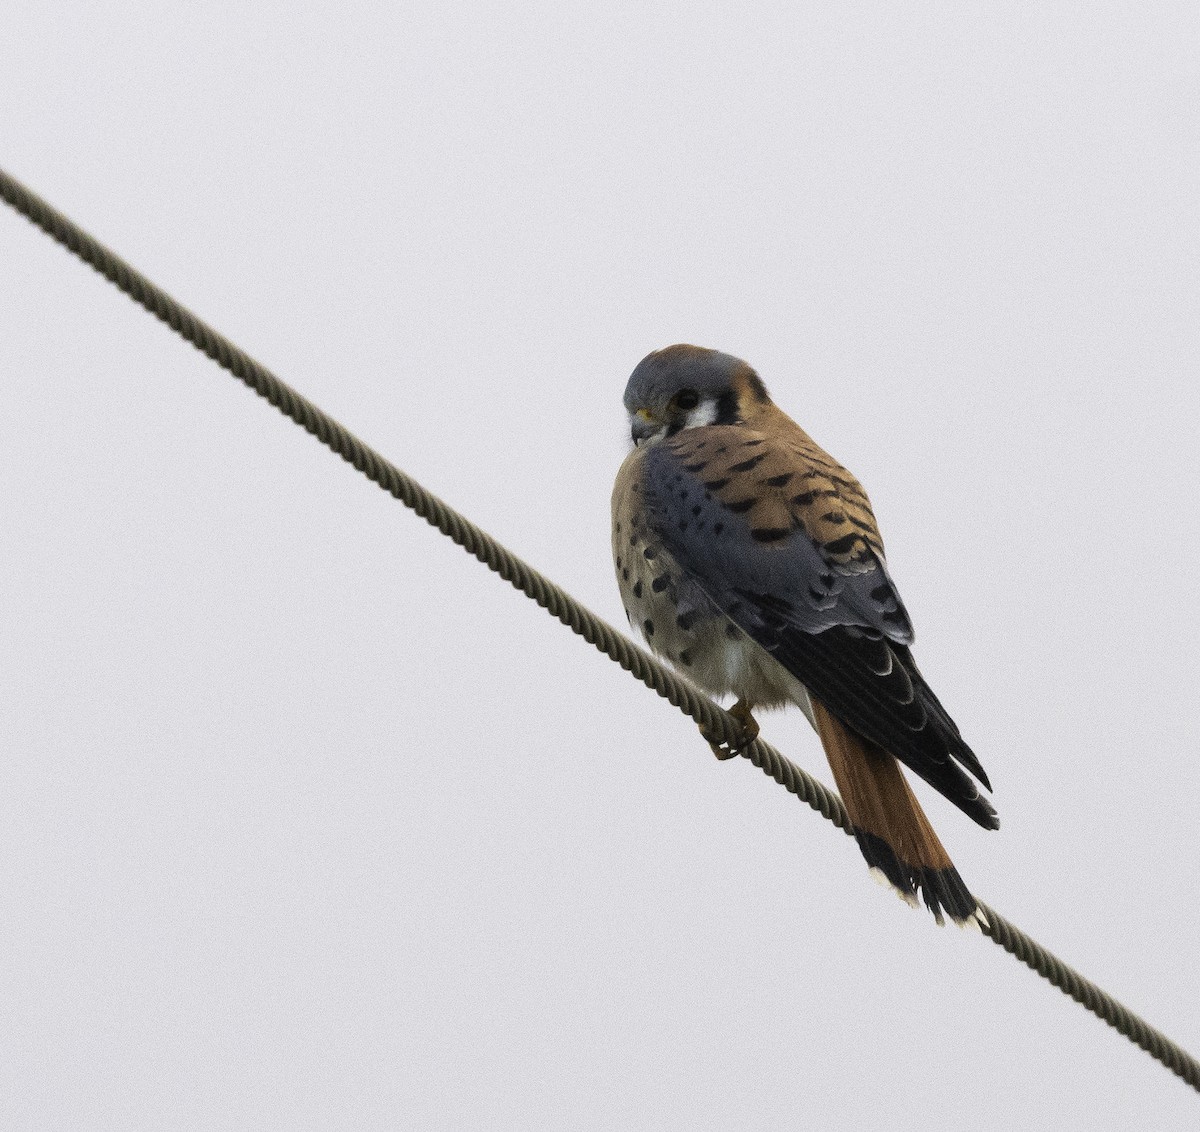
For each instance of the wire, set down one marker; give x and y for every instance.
(555, 600)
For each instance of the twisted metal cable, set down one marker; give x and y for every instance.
(1090, 996)
(717, 722)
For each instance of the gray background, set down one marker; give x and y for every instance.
(306, 820)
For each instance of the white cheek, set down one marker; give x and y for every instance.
(703, 414)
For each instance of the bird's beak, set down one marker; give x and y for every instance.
(642, 425)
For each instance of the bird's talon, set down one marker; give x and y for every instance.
(724, 750)
(741, 712)
(720, 748)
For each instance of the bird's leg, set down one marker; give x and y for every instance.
(741, 712)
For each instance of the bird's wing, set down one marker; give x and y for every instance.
(782, 539)
(760, 514)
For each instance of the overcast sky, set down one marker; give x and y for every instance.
(307, 820)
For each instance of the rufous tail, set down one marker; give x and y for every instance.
(891, 828)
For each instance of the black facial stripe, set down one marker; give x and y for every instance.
(727, 408)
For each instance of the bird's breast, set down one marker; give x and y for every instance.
(678, 620)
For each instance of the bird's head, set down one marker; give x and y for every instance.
(688, 387)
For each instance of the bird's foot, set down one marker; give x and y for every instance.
(741, 712)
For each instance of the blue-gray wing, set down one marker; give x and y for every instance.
(783, 541)
(748, 513)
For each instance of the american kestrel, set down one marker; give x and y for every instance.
(750, 559)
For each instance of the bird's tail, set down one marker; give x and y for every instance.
(891, 828)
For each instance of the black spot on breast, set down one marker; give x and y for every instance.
(817, 595)
(637, 589)
(648, 625)
(625, 574)
(715, 485)
(741, 506)
(660, 583)
(779, 481)
(769, 534)
(617, 528)
(685, 658)
(618, 563)
(754, 443)
(686, 620)
(682, 524)
(698, 467)
(746, 465)
(650, 554)
(834, 517)
(627, 617)
(882, 593)
(718, 528)
(697, 509)
(634, 540)
(895, 616)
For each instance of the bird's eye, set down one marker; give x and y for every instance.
(687, 399)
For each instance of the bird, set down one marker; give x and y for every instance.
(751, 560)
